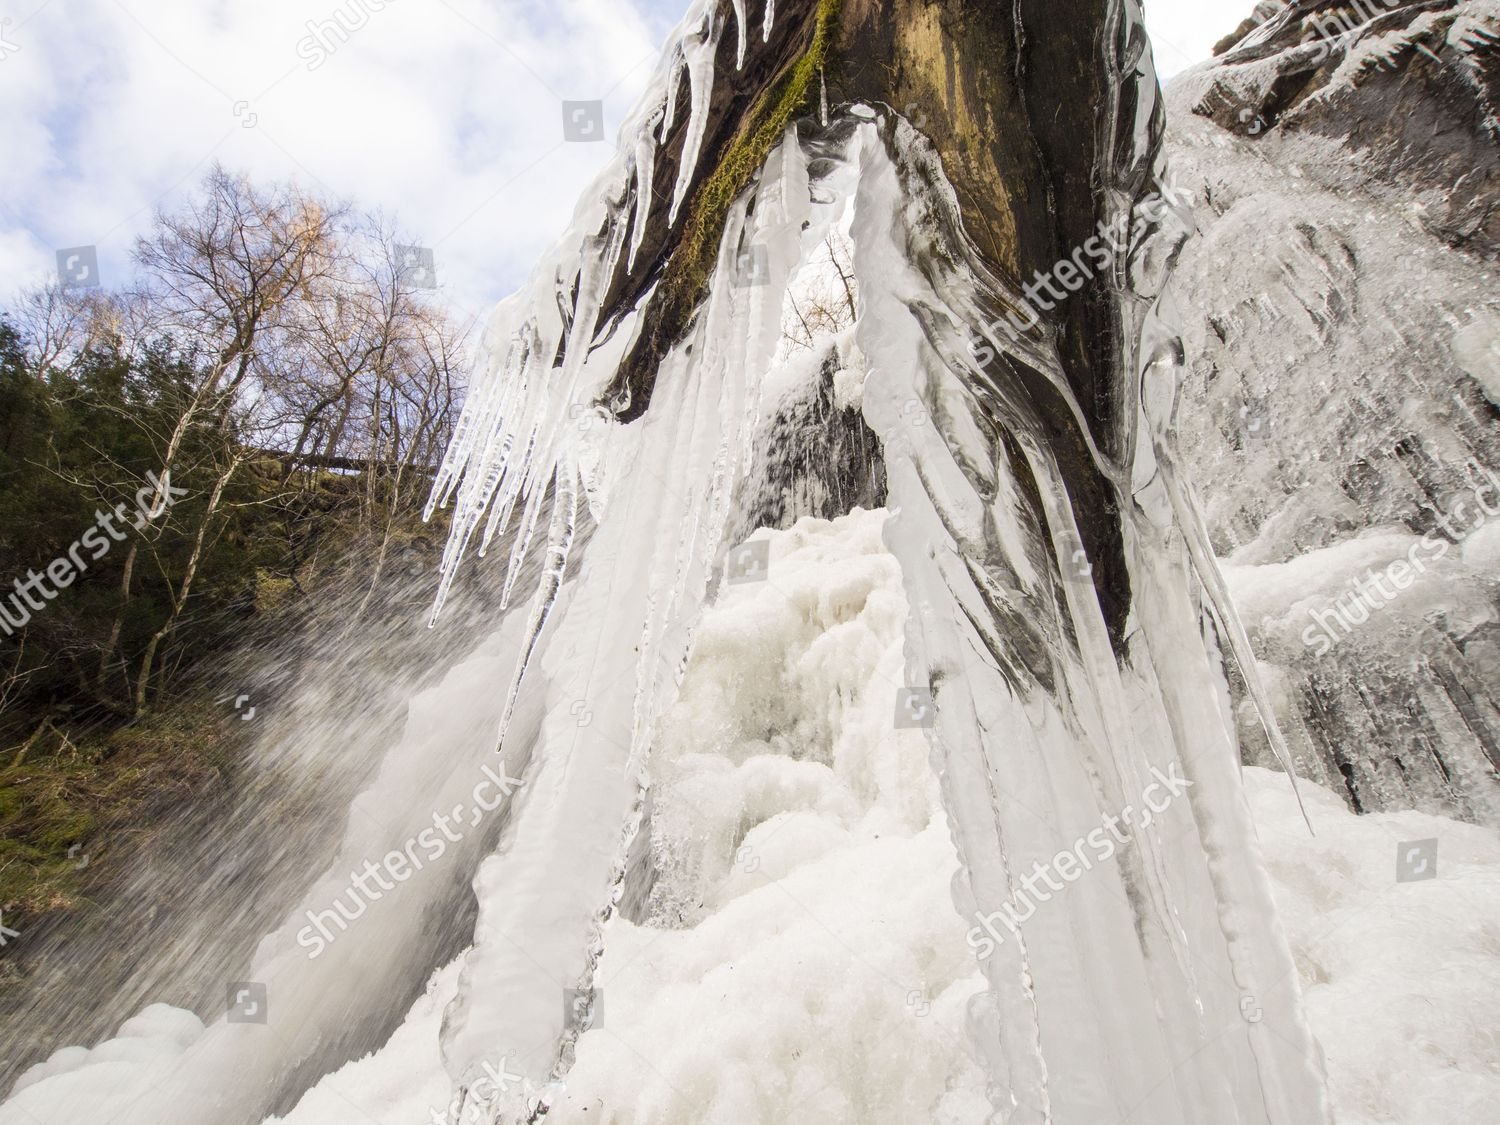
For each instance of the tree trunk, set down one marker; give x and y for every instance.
(185, 588)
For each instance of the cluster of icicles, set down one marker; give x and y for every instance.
(526, 417)
(531, 429)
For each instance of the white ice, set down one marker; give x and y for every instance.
(793, 978)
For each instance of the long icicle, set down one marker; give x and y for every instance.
(560, 532)
(1167, 360)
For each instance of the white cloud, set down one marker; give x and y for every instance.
(445, 113)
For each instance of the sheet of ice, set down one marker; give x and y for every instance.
(1338, 412)
(1042, 730)
(805, 885)
(402, 1082)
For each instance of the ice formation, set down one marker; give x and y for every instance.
(1040, 730)
(1041, 726)
(1160, 986)
(847, 997)
(801, 921)
(1341, 393)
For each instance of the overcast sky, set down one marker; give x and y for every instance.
(444, 113)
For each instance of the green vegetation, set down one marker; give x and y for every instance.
(764, 127)
(670, 313)
(272, 396)
(56, 793)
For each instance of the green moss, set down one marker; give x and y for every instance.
(273, 592)
(746, 155)
(72, 810)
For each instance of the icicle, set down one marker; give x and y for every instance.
(559, 546)
(522, 545)
(822, 99)
(645, 171)
(765, 35)
(458, 540)
(742, 25)
(498, 522)
(669, 111)
(699, 55)
(601, 258)
(509, 436)
(469, 428)
(1161, 387)
(1206, 567)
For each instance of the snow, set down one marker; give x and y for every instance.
(804, 873)
(794, 974)
(1277, 590)
(1476, 347)
(783, 986)
(114, 1072)
(802, 923)
(1401, 980)
(803, 928)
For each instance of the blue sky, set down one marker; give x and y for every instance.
(444, 113)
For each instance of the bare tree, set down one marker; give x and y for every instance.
(220, 278)
(60, 325)
(223, 273)
(285, 335)
(828, 301)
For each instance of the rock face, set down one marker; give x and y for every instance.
(1409, 87)
(815, 455)
(1340, 315)
(1047, 123)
